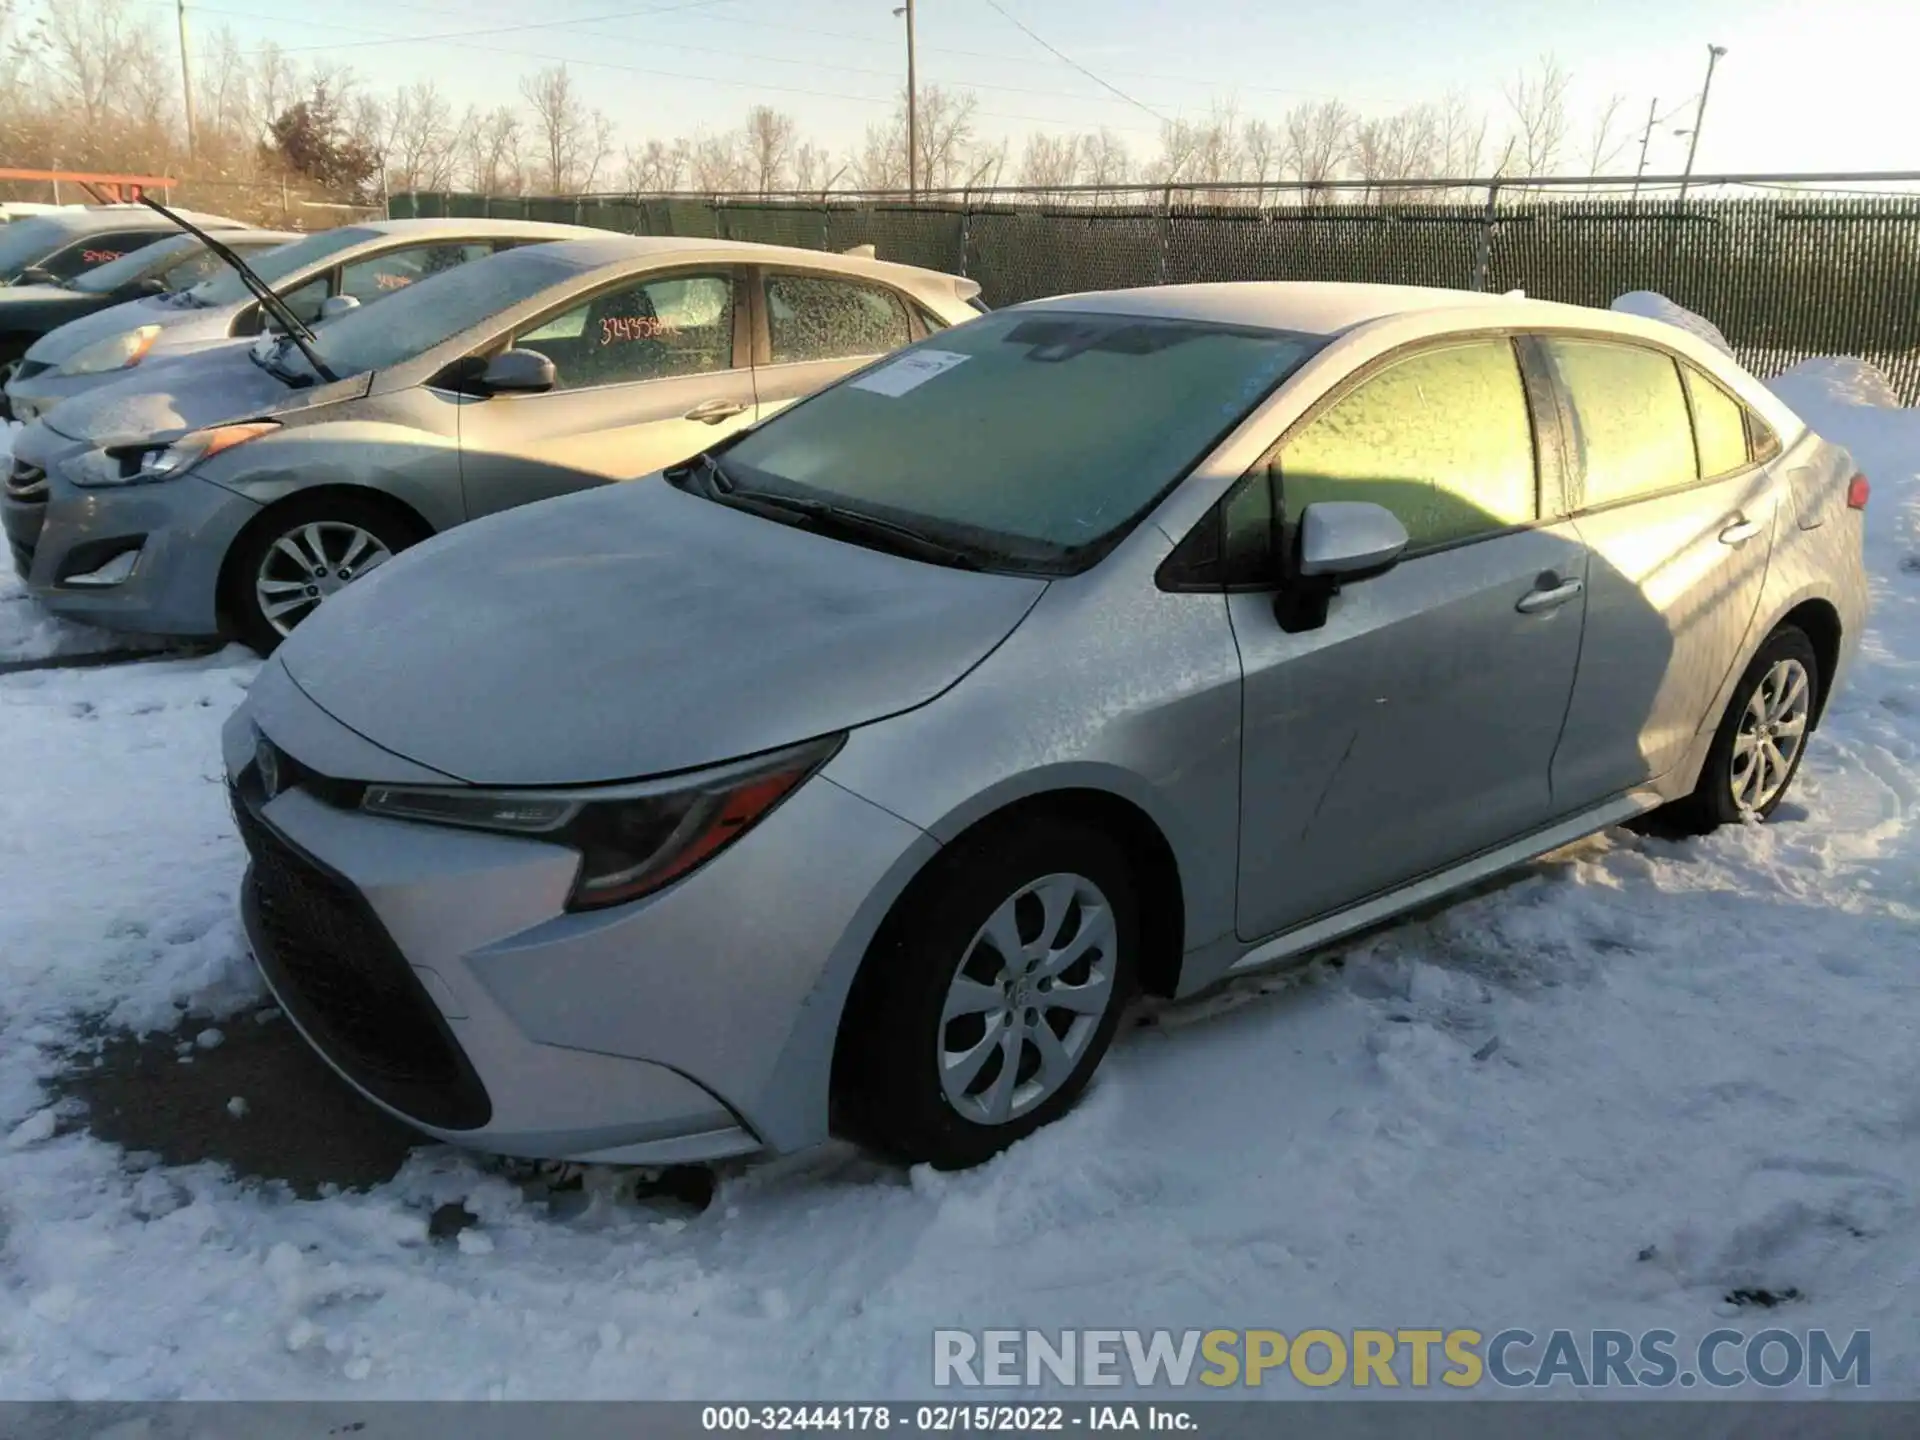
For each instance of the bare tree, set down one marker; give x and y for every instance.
(658, 167)
(1607, 143)
(1264, 148)
(421, 139)
(1539, 105)
(1461, 141)
(1051, 162)
(815, 170)
(571, 139)
(946, 135)
(1318, 137)
(1404, 146)
(716, 164)
(1108, 160)
(491, 143)
(881, 161)
(769, 141)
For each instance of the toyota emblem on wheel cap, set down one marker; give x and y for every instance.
(265, 757)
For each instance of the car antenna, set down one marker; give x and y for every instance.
(295, 329)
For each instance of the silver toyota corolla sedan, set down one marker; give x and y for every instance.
(856, 773)
(232, 493)
(330, 269)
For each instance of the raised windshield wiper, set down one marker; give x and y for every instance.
(290, 324)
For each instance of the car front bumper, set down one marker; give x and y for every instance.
(439, 973)
(70, 544)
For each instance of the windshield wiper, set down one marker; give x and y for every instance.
(825, 518)
(290, 324)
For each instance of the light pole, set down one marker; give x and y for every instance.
(1714, 52)
(186, 75)
(913, 109)
(1646, 136)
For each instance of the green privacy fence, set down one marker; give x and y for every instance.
(1784, 279)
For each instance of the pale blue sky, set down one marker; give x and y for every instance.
(1806, 85)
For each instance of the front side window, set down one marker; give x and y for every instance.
(1039, 437)
(377, 276)
(1631, 428)
(1442, 438)
(649, 330)
(1719, 427)
(820, 317)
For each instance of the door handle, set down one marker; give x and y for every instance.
(1740, 531)
(1548, 598)
(712, 412)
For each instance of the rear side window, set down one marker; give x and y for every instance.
(1719, 427)
(377, 275)
(817, 317)
(95, 250)
(1632, 432)
(1442, 438)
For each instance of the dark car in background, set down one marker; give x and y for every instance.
(161, 268)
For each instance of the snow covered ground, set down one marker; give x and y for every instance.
(1643, 1075)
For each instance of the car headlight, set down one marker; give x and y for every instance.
(117, 352)
(142, 464)
(632, 839)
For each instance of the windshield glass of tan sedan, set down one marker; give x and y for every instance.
(1041, 435)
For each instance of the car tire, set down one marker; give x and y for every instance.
(352, 534)
(1762, 738)
(941, 1056)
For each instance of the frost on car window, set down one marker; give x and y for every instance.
(648, 330)
(817, 318)
(1442, 439)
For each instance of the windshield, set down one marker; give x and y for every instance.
(27, 242)
(276, 265)
(1040, 436)
(414, 320)
(136, 265)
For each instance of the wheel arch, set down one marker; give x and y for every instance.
(272, 513)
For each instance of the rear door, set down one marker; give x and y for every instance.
(1416, 727)
(812, 328)
(650, 370)
(1679, 516)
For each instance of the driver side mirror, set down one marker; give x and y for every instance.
(1337, 542)
(152, 285)
(337, 305)
(37, 275)
(517, 372)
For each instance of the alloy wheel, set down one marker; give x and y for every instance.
(1027, 998)
(1772, 729)
(309, 563)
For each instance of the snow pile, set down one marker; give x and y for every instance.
(1641, 1078)
(1835, 380)
(1650, 305)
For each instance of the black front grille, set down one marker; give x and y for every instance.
(338, 972)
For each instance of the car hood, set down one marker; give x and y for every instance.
(176, 321)
(168, 397)
(635, 630)
(11, 295)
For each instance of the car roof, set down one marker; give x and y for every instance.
(454, 227)
(91, 219)
(1316, 307)
(608, 248)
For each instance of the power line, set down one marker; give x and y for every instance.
(1075, 64)
(499, 30)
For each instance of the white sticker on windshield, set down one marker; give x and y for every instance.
(908, 372)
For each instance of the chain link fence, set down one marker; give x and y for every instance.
(1785, 278)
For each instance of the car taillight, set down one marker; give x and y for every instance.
(1857, 490)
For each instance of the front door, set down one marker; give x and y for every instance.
(1678, 560)
(646, 376)
(1417, 726)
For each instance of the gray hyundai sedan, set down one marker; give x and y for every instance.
(233, 492)
(854, 775)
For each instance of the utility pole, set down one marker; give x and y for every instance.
(186, 75)
(1714, 52)
(913, 112)
(1646, 136)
